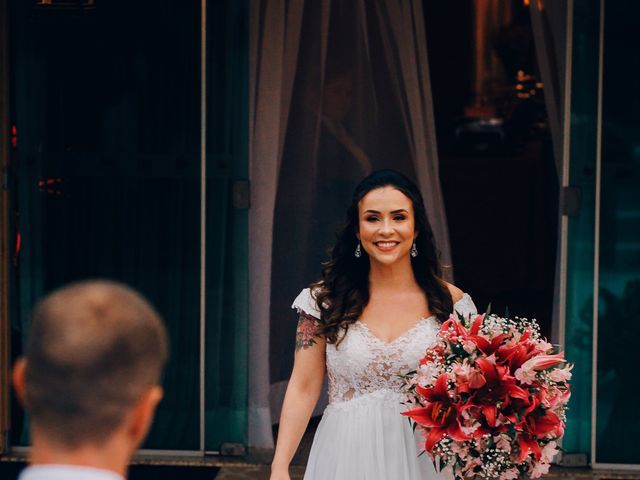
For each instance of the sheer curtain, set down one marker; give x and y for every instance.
(275, 31)
(549, 23)
(338, 88)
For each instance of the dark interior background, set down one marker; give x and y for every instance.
(501, 195)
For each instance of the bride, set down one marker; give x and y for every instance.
(370, 318)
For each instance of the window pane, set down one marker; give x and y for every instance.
(580, 249)
(619, 303)
(107, 108)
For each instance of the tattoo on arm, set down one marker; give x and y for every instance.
(306, 332)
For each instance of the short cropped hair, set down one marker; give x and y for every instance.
(94, 348)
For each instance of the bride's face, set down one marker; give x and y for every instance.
(386, 225)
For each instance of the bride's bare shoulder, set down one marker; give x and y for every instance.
(456, 293)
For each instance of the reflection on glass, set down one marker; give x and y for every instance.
(619, 302)
(580, 249)
(227, 300)
(108, 174)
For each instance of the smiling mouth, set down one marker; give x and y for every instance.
(385, 245)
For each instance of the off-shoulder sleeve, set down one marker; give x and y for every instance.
(306, 303)
(465, 306)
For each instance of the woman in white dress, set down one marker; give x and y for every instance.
(371, 317)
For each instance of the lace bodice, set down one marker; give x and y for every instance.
(363, 364)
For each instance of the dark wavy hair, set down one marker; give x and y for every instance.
(343, 291)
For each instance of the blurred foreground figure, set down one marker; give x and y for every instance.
(90, 380)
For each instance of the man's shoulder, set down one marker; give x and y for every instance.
(67, 472)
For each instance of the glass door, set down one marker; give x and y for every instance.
(583, 135)
(225, 396)
(603, 259)
(118, 174)
(618, 328)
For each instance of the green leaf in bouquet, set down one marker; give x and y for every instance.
(488, 310)
(457, 351)
(451, 357)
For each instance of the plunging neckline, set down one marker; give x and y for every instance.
(402, 335)
(406, 332)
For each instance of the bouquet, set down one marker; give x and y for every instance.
(490, 398)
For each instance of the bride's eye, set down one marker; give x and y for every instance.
(399, 217)
(372, 218)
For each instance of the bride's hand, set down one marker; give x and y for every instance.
(279, 475)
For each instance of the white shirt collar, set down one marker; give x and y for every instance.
(67, 472)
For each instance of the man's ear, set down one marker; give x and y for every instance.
(19, 379)
(142, 415)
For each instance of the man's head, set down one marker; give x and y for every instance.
(93, 365)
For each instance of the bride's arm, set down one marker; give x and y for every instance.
(302, 394)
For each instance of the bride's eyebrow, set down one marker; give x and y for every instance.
(402, 210)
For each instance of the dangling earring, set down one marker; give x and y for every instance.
(358, 252)
(414, 250)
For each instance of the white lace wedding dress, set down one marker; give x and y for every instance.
(362, 434)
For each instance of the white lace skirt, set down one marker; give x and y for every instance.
(367, 438)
